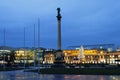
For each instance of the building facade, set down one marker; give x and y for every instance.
(93, 56)
(22, 56)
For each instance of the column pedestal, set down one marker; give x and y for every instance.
(59, 60)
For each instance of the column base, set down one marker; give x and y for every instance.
(59, 61)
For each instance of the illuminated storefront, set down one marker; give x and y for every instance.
(49, 58)
(22, 56)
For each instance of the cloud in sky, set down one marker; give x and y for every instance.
(83, 22)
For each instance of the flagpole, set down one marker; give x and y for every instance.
(4, 48)
(24, 49)
(34, 48)
(38, 45)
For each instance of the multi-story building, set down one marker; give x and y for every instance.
(29, 56)
(5, 53)
(94, 56)
(22, 56)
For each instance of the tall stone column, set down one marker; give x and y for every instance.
(59, 28)
(59, 57)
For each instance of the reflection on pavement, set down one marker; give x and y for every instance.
(21, 75)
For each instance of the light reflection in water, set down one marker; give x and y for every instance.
(86, 77)
(20, 75)
(114, 77)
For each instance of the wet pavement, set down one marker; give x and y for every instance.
(18, 75)
(21, 75)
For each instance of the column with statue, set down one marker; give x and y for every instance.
(59, 57)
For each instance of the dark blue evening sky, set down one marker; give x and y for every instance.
(83, 22)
